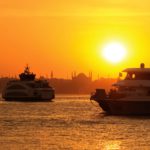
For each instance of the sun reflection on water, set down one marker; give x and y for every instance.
(112, 145)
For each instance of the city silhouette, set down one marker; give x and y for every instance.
(77, 84)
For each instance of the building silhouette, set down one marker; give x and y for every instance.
(78, 84)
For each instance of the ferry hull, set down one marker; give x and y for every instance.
(121, 107)
(29, 99)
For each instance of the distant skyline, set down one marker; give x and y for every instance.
(66, 36)
(52, 75)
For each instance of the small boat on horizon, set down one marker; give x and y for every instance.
(27, 88)
(130, 96)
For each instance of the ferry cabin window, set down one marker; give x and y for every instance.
(138, 76)
(16, 86)
(46, 85)
(41, 85)
(31, 85)
(129, 76)
(127, 89)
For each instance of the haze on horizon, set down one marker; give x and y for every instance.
(66, 36)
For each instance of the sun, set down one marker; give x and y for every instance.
(114, 52)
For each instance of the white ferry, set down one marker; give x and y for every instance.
(27, 88)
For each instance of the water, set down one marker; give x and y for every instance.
(69, 123)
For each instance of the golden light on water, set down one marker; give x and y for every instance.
(114, 52)
(112, 145)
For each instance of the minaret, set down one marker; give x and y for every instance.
(90, 75)
(74, 74)
(98, 76)
(52, 75)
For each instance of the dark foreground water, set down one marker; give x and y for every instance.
(69, 123)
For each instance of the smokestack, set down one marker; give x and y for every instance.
(142, 65)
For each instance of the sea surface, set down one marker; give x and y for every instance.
(70, 122)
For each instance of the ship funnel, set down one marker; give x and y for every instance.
(142, 65)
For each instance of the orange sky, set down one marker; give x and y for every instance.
(66, 36)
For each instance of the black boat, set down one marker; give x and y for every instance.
(130, 96)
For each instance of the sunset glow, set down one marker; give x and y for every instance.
(50, 35)
(74, 74)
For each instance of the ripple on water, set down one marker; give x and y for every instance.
(69, 124)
